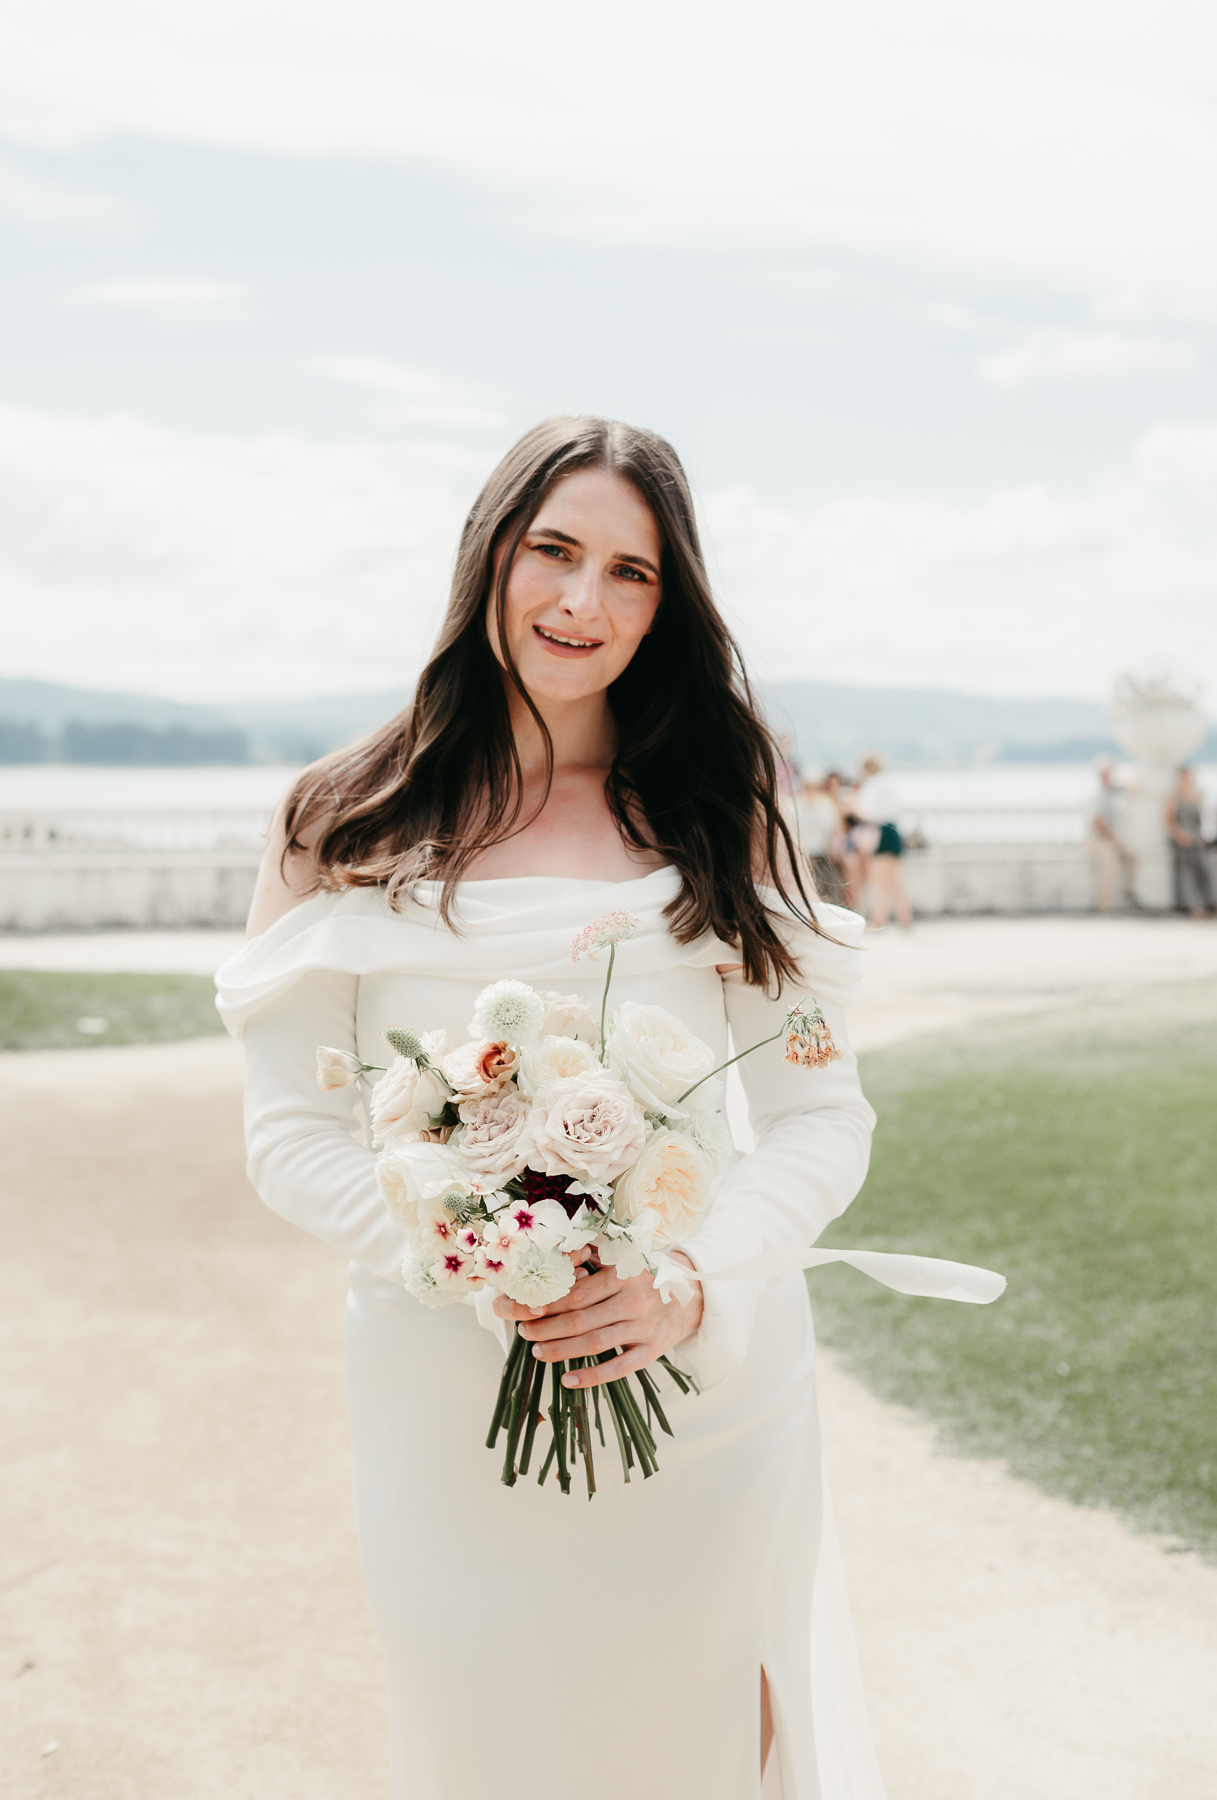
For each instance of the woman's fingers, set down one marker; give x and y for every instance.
(633, 1360)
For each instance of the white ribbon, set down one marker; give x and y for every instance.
(925, 1275)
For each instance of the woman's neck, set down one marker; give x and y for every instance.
(583, 734)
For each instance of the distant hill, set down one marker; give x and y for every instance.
(828, 723)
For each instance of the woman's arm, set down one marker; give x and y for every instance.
(284, 880)
(304, 1158)
(813, 1130)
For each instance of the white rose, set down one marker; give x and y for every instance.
(670, 1181)
(413, 1177)
(510, 1011)
(493, 1141)
(407, 1099)
(336, 1068)
(655, 1055)
(552, 1058)
(571, 1016)
(589, 1127)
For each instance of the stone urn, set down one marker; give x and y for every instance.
(1159, 726)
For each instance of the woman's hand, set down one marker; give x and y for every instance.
(603, 1313)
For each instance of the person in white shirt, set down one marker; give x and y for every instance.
(875, 804)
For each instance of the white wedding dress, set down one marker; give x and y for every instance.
(538, 1647)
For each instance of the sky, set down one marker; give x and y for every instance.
(926, 298)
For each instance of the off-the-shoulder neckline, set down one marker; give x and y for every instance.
(566, 880)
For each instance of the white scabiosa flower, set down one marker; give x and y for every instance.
(535, 1276)
(510, 1012)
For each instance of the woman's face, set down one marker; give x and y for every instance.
(584, 588)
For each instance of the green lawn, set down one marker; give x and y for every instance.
(50, 1011)
(1079, 1157)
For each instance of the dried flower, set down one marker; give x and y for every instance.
(601, 934)
(406, 1043)
(808, 1039)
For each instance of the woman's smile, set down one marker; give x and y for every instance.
(564, 644)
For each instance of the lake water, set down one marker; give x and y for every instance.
(258, 787)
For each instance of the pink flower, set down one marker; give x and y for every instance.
(613, 928)
(453, 1269)
(476, 1070)
(492, 1141)
(588, 1126)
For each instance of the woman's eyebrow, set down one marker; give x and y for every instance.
(564, 537)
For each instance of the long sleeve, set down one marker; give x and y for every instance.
(304, 1157)
(813, 1130)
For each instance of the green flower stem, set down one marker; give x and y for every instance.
(552, 1452)
(583, 1424)
(647, 1384)
(510, 1368)
(731, 1059)
(622, 1445)
(558, 1418)
(684, 1382)
(534, 1416)
(523, 1386)
(604, 1001)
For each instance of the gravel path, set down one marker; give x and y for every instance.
(180, 1608)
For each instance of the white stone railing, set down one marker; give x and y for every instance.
(950, 826)
(57, 832)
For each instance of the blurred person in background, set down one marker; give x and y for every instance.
(875, 805)
(855, 843)
(1115, 864)
(819, 830)
(1193, 883)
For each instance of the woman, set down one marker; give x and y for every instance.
(1193, 887)
(582, 739)
(875, 804)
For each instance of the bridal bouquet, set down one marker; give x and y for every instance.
(553, 1137)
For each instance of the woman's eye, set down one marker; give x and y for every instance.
(554, 550)
(634, 574)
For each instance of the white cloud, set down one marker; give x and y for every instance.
(170, 296)
(417, 397)
(47, 201)
(1073, 145)
(1031, 590)
(200, 565)
(191, 564)
(1064, 355)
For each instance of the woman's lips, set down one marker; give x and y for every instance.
(556, 647)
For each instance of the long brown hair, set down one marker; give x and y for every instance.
(695, 776)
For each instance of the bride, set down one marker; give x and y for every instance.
(583, 738)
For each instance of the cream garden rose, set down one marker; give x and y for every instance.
(493, 1140)
(589, 1127)
(655, 1055)
(550, 1059)
(670, 1182)
(407, 1099)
